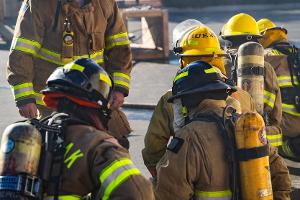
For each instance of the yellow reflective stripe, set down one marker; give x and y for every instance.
(290, 109)
(64, 197)
(276, 52)
(113, 166)
(181, 75)
(26, 50)
(119, 35)
(25, 45)
(285, 81)
(117, 40)
(214, 194)
(118, 180)
(210, 71)
(39, 99)
(23, 85)
(275, 139)
(117, 44)
(98, 56)
(34, 48)
(122, 83)
(73, 157)
(275, 136)
(269, 98)
(286, 149)
(23, 90)
(121, 75)
(29, 42)
(276, 144)
(24, 94)
(74, 66)
(105, 78)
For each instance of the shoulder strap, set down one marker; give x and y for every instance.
(226, 130)
(53, 130)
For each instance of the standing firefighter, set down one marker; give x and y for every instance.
(199, 43)
(78, 156)
(285, 59)
(199, 162)
(49, 34)
(239, 29)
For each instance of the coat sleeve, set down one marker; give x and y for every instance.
(159, 132)
(281, 182)
(272, 107)
(117, 176)
(26, 43)
(117, 49)
(177, 172)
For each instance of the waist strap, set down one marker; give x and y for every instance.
(24, 184)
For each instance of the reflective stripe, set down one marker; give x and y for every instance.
(26, 89)
(28, 46)
(215, 195)
(23, 90)
(115, 174)
(105, 78)
(285, 81)
(34, 48)
(74, 66)
(275, 140)
(117, 40)
(98, 56)
(276, 52)
(181, 75)
(286, 149)
(290, 109)
(50, 56)
(121, 79)
(64, 197)
(39, 99)
(269, 98)
(210, 71)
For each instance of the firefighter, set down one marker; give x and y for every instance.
(94, 162)
(195, 165)
(162, 125)
(49, 34)
(284, 57)
(239, 29)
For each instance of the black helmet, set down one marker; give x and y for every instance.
(199, 77)
(81, 79)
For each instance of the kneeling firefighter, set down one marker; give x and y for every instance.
(200, 161)
(69, 154)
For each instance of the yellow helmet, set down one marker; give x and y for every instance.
(239, 25)
(265, 24)
(201, 41)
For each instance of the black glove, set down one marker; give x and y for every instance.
(124, 142)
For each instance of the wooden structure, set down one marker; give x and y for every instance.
(131, 3)
(154, 33)
(8, 9)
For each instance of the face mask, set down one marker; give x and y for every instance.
(179, 120)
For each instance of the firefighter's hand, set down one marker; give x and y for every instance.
(28, 110)
(116, 100)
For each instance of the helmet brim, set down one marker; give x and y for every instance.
(198, 53)
(275, 28)
(214, 86)
(225, 37)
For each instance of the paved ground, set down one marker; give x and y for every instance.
(151, 80)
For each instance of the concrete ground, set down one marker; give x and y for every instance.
(151, 80)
